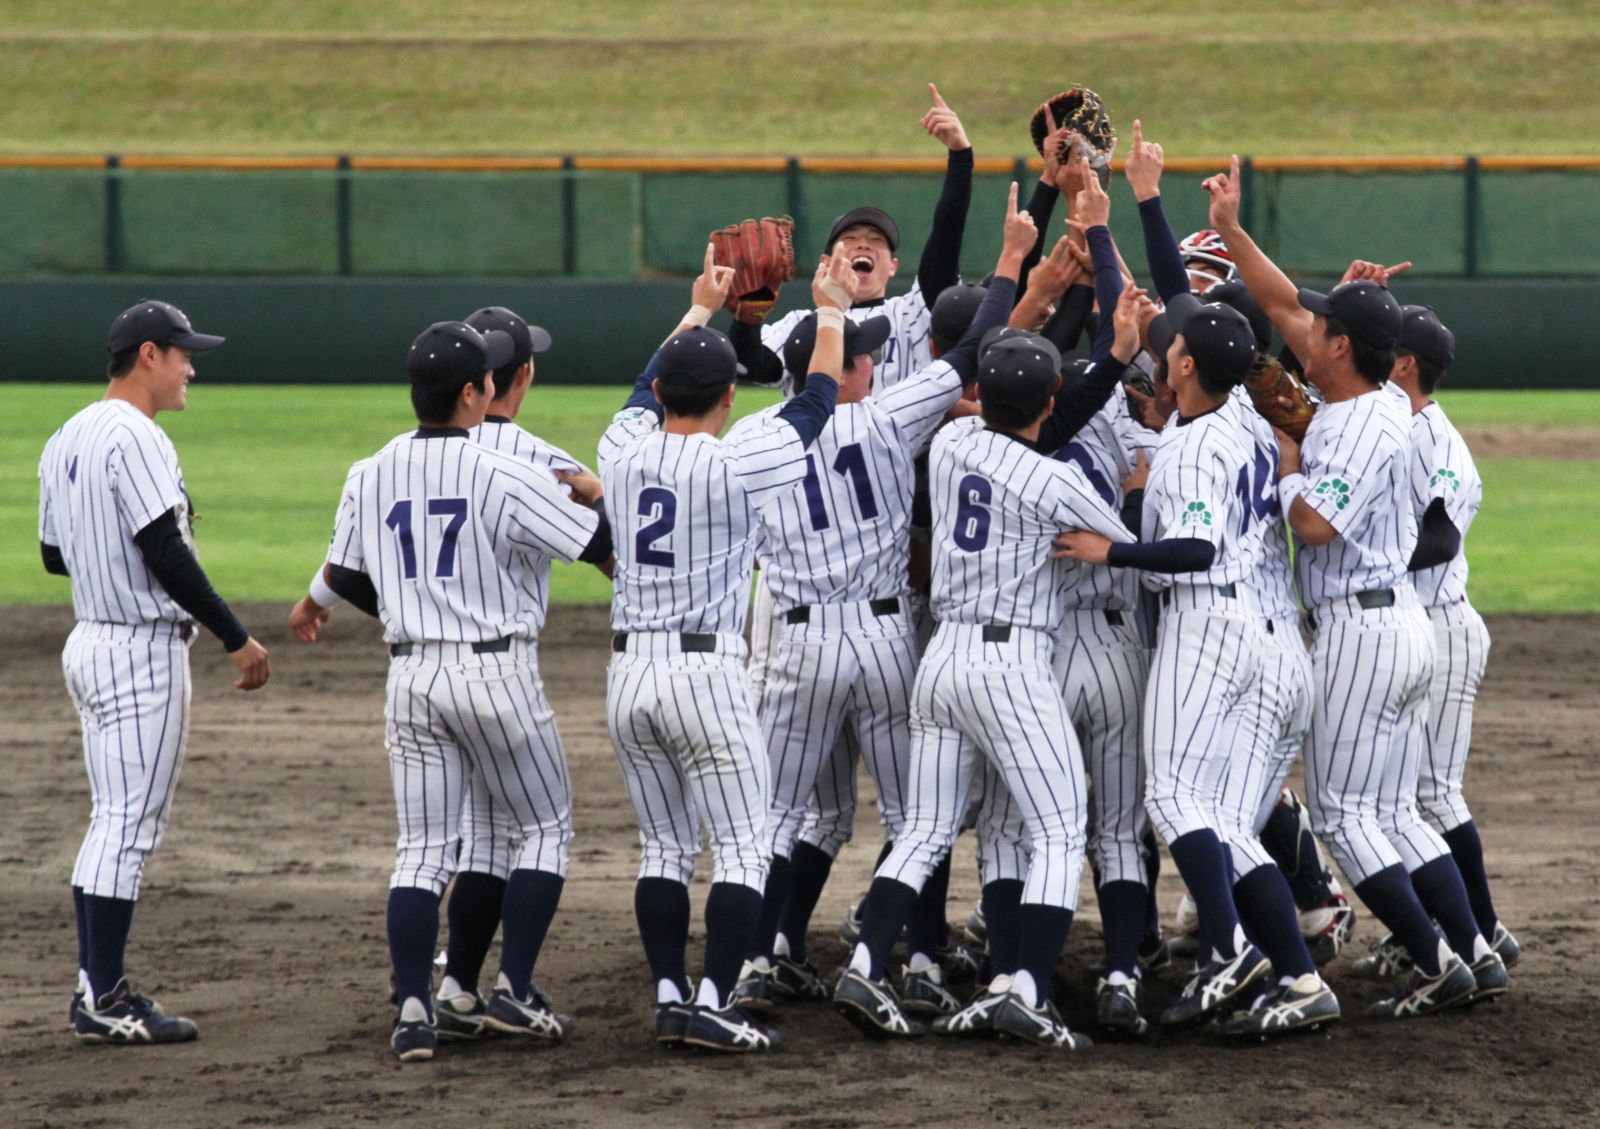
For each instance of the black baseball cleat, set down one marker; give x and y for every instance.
(977, 927)
(973, 1020)
(1505, 945)
(850, 928)
(534, 1017)
(957, 961)
(923, 994)
(1042, 1026)
(459, 1017)
(1387, 960)
(1306, 1004)
(872, 1007)
(755, 989)
(1489, 977)
(672, 1022)
(1216, 983)
(1154, 952)
(124, 1016)
(74, 1007)
(1421, 995)
(415, 1037)
(798, 980)
(1117, 1008)
(728, 1030)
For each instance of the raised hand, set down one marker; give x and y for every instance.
(1225, 196)
(941, 122)
(1020, 233)
(1362, 271)
(1143, 166)
(834, 284)
(711, 286)
(1093, 206)
(1055, 272)
(1126, 320)
(1074, 172)
(1139, 475)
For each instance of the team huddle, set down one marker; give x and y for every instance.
(1074, 606)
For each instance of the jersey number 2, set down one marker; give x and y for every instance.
(852, 463)
(661, 505)
(399, 520)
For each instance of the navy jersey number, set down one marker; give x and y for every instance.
(851, 462)
(660, 505)
(972, 513)
(1078, 455)
(1257, 488)
(399, 520)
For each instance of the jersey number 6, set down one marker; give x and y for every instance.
(399, 520)
(972, 513)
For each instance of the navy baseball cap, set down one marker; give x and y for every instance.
(161, 322)
(954, 311)
(526, 340)
(859, 338)
(1217, 336)
(699, 355)
(1020, 371)
(453, 352)
(1423, 334)
(1367, 310)
(876, 217)
(1235, 294)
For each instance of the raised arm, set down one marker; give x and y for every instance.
(833, 290)
(1077, 402)
(1278, 296)
(1016, 238)
(940, 265)
(1143, 170)
(709, 291)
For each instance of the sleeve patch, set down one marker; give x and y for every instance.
(1446, 476)
(1196, 513)
(1336, 490)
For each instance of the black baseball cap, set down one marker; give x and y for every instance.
(161, 322)
(1216, 335)
(859, 338)
(1008, 333)
(453, 352)
(1235, 294)
(526, 340)
(877, 217)
(698, 356)
(1020, 371)
(1422, 333)
(1367, 310)
(954, 311)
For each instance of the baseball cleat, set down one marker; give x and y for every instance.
(797, 980)
(1328, 928)
(977, 1018)
(1506, 945)
(850, 927)
(672, 1021)
(1116, 1008)
(1042, 1026)
(957, 961)
(1387, 960)
(977, 928)
(1214, 984)
(1421, 994)
(1489, 977)
(872, 1007)
(754, 990)
(460, 1016)
(728, 1030)
(74, 1007)
(414, 1038)
(924, 994)
(1154, 952)
(534, 1017)
(124, 1016)
(1306, 1004)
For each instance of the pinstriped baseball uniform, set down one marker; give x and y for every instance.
(106, 474)
(456, 539)
(908, 350)
(833, 545)
(985, 689)
(1442, 467)
(1373, 664)
(489, 831)
(683, 510)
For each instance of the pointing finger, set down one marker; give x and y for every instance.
(1138, 135)
(711, 257)
(937, 101)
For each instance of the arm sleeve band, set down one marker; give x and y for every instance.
(356, 587)
(1438, 539)
(599, 549)
(1173, 554)
(54, 563)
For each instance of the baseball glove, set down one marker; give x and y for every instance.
(1279, 397)
(761, 253)
(1080, 110)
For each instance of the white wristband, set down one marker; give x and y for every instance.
(830, 318)
(1291, 486)
(322, 594)
(697, 315)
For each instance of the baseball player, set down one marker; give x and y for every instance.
(449, 544)
(1347, 496)
(836, 547)
(685, 506)
(1446, 493)
(985, 688)
(490, 834)
(115, 517)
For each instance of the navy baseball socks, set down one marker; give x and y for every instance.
(1266, 905)
(1203, 862)
(809, 868)
(884, 912)
(1124, 907)
(926, 927)
(1393, 901)
(529, 907)
(1442, 893)
(661, 906)
(772, 903)
(473, 915)
(1044, 932)
(106, 925)
(1002, 912)
(413, 921)
(1467, 849)
(733, 912)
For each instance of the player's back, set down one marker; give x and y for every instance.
(1260, 505)
(510, 438)
(1100, 451)
(451, 534)
(1442, 467)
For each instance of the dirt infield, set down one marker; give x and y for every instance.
(262, 918)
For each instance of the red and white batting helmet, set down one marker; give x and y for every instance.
(1207, 247)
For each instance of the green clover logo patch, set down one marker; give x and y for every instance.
(1196, 513)
(1336, 489)
(1449, 477)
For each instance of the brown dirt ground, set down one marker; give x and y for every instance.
(1512, 442)
(262, 918)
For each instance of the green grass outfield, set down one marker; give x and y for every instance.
(265, 464)
(696, 77)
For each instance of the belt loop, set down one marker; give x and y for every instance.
(619, 642)
(801, 614)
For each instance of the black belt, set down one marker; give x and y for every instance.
(1114, 618)
(996, 633)
(1226, 590)
(1377, 598)
(888, 606)
(186, 630)
(487, 647)
(691, 642)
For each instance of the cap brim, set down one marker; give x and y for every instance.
(498, 348)
(1315, 301)
(1161, 335)
(540, 337)
(869, 335)
(197, 342)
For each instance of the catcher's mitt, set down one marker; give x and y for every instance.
(1280, 398)
(761, 253)
(1080, 110)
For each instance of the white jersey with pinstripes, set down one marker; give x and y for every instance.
(842, 535)
(1100, 451)
(105, 475)
(1442, 467)
(683, 518)
(997, 507)
(1274, 578)
(908, 349)
(455, 537)
(1356, 459)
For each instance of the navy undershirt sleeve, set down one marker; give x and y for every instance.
(940, 265)
(809, 411)
(1077, 402)
(175, 567)
(762, 365)
(1072, 314)
(992, 311)
(643, 395)
(54, 563)
(1133, 510)
(1041, 207)
(1173, 554)
(355, 586)
(1438, 539)
(1161, 250)
(600, 548)
(1107, 288)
